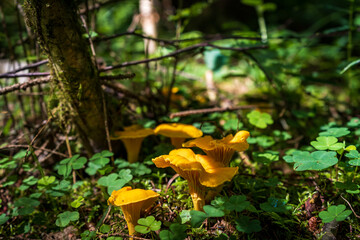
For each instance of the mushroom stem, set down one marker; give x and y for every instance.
(198, 197)
(177, 142)
(132, 148)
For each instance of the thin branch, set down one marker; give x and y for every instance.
(25, 85)
(350, 206)
(212, 110)
(118, 77)
(35, 74)
(33, 65)
(40, 148)
(177, 52)
(37, 81)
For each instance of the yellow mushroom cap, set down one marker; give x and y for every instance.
(132, 138)
(134, 131)
(178, 130)
(237, 142)
(187, 164)
(127, 195)
(221, 149)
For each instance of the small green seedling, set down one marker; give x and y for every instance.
(177, 232)
(244, 224)
(77, 202)
(259, 119)
(198, 217)
(337, 213)
(327, 143)
(63, 219)
(147, 224)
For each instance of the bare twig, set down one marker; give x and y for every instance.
(40, 148)
(177, 52)
(211, 110)
(34, 74)
(118, 77)
(37, 81)
(25, 85)
(350, 206)
(33, 65)
(170, 182)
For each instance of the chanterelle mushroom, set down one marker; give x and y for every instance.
(221, 149)
(200, 171)
(132, 138)
(133, 202)
(178, 132)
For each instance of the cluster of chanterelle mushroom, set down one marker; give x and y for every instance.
(202, 172)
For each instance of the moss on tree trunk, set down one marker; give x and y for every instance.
(76, 80)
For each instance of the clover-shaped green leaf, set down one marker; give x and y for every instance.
(145, 225)
(67, 165)
(233, 124)
(318, 160)
(185, 216)
(26, 205)
(105, 228)
(206, 127)
(283, 136)
(177, 232)
(3, 218)
(244, 224)
(354, 122)
(237, 203)
(198, 217)
(115, 181)
(290, 158)
(266, 157)
(139, 169)
(259, 119)
(63, 219)
(354, 155)
(275, 205)
(336, 132)
(334, 212)
(327, 143)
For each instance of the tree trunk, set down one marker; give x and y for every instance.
(76, 82)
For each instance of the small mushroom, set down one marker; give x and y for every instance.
(223, 149)
(200, 171)
(178, 132)
(132, 138)
(133, 203)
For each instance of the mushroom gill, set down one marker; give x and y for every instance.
(132, 137)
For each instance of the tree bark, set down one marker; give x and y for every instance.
(77, 88)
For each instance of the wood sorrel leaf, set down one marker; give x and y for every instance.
(318, 160)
